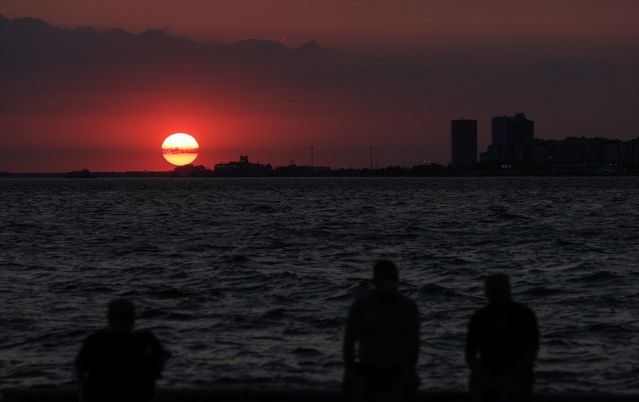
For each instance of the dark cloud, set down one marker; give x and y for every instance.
(38, 55)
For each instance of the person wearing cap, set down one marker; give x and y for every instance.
(117, 363)
(384, 324)
(501, 346)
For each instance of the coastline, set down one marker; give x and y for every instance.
(333, 173)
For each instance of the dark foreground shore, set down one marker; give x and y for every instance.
(251, 395)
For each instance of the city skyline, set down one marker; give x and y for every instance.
(101, 84)
(371, 151)
(578, 156)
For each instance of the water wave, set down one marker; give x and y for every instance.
(247, 281)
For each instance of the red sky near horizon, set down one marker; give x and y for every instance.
(245, 77)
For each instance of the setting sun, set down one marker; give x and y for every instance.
(180, 149)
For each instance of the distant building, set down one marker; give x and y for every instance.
(512, 139)
(191, 170)
(581, 169)
(463, 142)
(631, 152)
(613, 152)
(586, 155)
(293, 170)
(243, 168)
(512, 130)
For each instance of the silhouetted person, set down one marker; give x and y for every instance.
(118, 364)
(385, 326)
(501, 346)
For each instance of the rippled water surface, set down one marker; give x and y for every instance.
(247, 281)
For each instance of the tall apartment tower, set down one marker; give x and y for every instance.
(512, 130)
(463, 142)
(512, 139)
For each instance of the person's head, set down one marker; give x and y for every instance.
(121, 315)
(497, 287)
(385, 278)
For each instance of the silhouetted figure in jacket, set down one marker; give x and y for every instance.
(385, 326)
(118, 364)
(501, 346)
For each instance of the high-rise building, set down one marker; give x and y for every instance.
(512, 130)
(512, 139)
(463, 142)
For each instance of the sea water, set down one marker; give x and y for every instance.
(247, 282)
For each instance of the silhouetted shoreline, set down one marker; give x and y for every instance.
(433, 170)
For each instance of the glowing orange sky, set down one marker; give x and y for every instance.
(387, 74)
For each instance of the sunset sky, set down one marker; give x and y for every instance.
(101, 83)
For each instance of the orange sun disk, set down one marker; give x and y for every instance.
(180, 149)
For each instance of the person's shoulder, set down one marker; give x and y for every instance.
(515, 310)
(484, 313)
(365, 298)
(102, 339)
(406, 301)
(527, 314)
(146, 337)
(98, 335)
(144, 334)
(362, 302)
(409, 307)
(521, 307)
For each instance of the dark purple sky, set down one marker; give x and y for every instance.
(101, 84)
